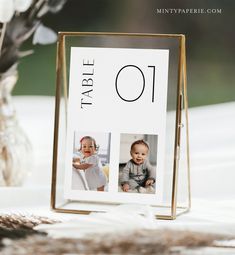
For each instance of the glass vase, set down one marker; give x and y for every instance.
(15, 147)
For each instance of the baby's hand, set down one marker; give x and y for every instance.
(76, 161)
(83, 166)
(149, 182)
(125, 187)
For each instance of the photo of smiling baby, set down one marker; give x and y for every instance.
(90, 162)
(138, 174)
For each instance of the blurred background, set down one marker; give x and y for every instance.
(210, 42)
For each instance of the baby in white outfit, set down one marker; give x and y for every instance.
(89, 161)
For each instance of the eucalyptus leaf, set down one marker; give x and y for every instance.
(55, 5)
(44, 35)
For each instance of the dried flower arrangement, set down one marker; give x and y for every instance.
(17, 233)
(20, 19)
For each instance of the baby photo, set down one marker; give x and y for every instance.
(90, 161)
(137, 163)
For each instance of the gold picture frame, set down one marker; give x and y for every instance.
(172, 207)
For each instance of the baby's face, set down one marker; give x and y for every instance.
(139, 153)
(88, 147)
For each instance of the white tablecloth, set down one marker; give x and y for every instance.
(212, 149)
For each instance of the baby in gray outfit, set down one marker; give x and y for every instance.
(138, 174)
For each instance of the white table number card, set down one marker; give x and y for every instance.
(118, 120)
(117, 97)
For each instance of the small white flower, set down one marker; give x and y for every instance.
(22, 5)
(44, 35)
(6, 10)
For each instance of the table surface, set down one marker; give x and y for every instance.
(212, 151)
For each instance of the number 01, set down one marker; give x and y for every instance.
(143, 82)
